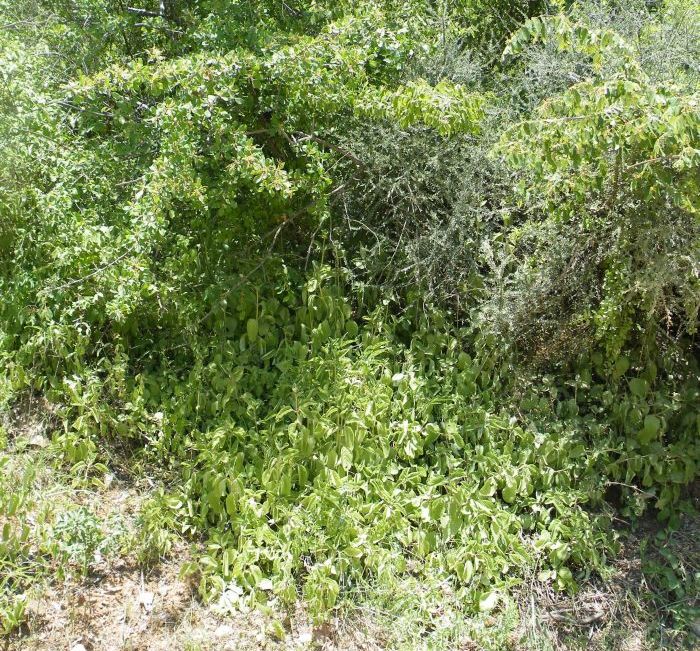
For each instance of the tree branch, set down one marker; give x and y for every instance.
(144, 12)
(658, 159)
(329, 145)
(77, 281)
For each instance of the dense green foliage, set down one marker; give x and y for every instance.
(388, 288)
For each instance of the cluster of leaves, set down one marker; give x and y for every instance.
(670, 566)
(346, 453)
(380, 307)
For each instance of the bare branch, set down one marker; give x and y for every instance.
(329, 145)
(77, 281)
(144, 12)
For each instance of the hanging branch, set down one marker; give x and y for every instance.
(165, 11)
(146, 12)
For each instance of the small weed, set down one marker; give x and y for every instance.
(46, 530)
(190, 645)
(78, 535)
(154, 535)
(12, 612)
(671, 569)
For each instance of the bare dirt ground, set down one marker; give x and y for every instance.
(124, 608)
(120, 606)
(632, 609)
(158, 611)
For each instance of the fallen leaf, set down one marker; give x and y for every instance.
(305, 638)
(323, 632)
(488, 601)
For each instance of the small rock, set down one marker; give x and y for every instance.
(305, 638)
(146, 600)
(78, 647)
(224, 631)
(38, 441)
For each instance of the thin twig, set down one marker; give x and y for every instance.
(144, 12)
(325, 143)
(630, 486)
(658, 159)
(94, 273)
(161, 27)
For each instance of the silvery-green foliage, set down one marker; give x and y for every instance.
(425, 204)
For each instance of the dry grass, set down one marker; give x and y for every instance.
(633, 608)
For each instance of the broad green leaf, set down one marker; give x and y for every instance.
(639, 387)
(252, 329)
(488, 601)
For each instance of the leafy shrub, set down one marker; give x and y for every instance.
(381, 310)
(615, 156)
(155, 531)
